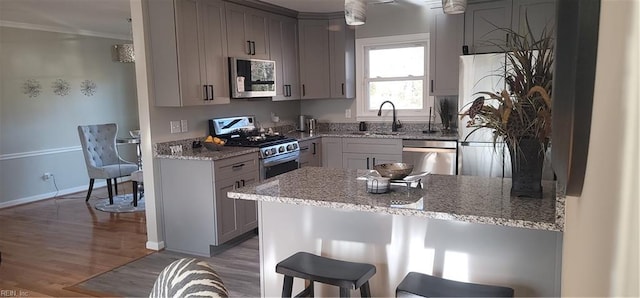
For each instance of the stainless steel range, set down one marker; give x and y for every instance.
(278, 154)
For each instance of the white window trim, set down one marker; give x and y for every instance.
(362, 113)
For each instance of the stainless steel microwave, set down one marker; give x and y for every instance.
(252, 78)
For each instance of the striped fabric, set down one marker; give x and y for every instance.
(189, 278)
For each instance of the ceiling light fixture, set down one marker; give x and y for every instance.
(454, 6)
(355, 12)
(124, 52)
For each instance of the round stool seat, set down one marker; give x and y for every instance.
(346, 275)
(422, 285)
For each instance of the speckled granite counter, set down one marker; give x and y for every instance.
(302, 136)
(204, 154)
(461, 198)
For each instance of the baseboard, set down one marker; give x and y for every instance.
(216, 250)
(155, 245)
(62, 192)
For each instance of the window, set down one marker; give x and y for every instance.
(396, 69)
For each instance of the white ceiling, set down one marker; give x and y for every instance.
(108, 18)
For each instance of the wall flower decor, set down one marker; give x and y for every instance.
(32, 88)
(61, 87)
(88, 87)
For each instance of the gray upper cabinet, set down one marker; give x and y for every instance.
(327, 59)
(283, 48)
(342, 56)
(314, 58)
(481, 26)
(247, 32)
(540, 14)
(446, 39)
(483, 19)
(189, 52)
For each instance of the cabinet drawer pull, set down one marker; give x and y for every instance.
(367, 163)
(304, 91)
(314, 148)
(206, 92)
(237, 166)
(304, 149)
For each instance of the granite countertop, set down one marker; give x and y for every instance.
(462, 198)
(413, 135)
(205, 154)
(162, 150)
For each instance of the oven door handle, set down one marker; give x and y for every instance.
(280, 159)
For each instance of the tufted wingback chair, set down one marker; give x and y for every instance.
(101, 156)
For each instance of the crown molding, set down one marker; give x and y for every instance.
(56, 29)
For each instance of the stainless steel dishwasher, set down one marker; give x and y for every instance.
(435, 157)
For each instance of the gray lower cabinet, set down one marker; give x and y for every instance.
(364, 153)
(311, 153)
(332, 152)
(446, 39)
(196, 210)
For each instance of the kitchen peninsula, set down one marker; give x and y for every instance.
(458, 227)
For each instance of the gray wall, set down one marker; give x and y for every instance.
(38, 134)
(382, 20)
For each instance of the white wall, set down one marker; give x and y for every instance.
(601, 249)
(39, 134)
(401, 17)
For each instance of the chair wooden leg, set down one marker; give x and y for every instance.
(115, 185)
(91, 180)
(110, 191)
(344, 292)
(287, 286)
(364, 290)
(135, 193)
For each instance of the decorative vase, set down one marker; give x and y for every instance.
(527, 158)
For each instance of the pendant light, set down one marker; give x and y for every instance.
(124, 52)
(454, 6)
(355, 12)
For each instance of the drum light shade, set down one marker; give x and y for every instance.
(355, 12)
(454, 6)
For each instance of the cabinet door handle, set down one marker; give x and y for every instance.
(237, 184)
(342, 88)
(211, 88)
(253, 48)
(288, 90)
(304, 91)
(206, 92)
(374, 162)
(314, 148)
(242, 180)
(367, 163)
(237, 166)
(248, 47)
(431, 85)
(304, 149)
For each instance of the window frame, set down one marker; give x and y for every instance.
(363, 45)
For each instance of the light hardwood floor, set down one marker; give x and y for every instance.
(52, 244)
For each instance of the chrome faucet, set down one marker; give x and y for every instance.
(396, 123)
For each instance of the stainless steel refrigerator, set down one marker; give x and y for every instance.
(477, 153)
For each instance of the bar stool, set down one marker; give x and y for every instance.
(343, 274)
(422, 285)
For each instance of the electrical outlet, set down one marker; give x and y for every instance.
(46, 176)
(175, 126)
(185, 125)
(347, 113)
